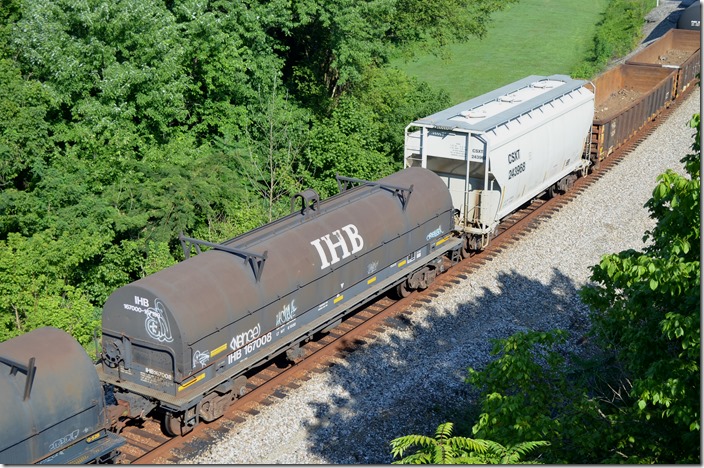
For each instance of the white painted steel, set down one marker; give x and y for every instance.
(533, 132)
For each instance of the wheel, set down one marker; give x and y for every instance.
(172, 424)
(402, 290)
(569, 183)
(466, 250)
(595, 164)
(552, 191)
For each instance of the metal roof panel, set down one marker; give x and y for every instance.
(485, 112)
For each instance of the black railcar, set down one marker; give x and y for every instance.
(181, 339)
(52, 408)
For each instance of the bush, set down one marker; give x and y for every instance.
(617, 34)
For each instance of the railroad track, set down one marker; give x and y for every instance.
(146, 444)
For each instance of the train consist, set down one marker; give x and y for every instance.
(53, 407)
(178, 344)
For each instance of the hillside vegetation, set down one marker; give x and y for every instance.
(125, 123)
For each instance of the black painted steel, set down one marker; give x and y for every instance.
(176, 335)
(52, 408)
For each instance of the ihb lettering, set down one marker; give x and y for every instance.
(143, 301)
(336, 246)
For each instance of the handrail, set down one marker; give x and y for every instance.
(256, 261)
(403, 193)
(30, 370)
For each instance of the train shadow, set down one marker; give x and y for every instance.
(379, 393)
(665, 24)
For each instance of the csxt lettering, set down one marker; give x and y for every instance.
(515, 156)
(332, 251)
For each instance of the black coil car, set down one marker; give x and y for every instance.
(52, 408)
(181, 339)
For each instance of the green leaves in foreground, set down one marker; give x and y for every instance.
(445, 449)
(647, 314)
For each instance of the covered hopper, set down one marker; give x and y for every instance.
(499, 150)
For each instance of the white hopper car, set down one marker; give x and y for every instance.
(500, 150)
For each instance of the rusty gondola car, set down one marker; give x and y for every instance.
(677, 49)
(180, 340)
(52, 408)
(627, 97)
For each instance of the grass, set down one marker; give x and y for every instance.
(532, 37)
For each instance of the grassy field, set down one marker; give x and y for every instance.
(532, 37)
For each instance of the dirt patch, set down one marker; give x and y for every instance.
(674, 57)
(617, 102)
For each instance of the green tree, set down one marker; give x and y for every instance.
(446, 449)
(332, 44)
(396, 100)
(430, 25)
(24, 132)
(115, 67)
(347, 144)
(229, 57)
(34, 286)
(638, 401)
(363, 136)
(617, 34)
(532, 392)
(647, 313)
(270, 155)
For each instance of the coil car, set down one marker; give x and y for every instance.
(181, 339)
(52, 408)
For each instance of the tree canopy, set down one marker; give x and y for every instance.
(125, 123)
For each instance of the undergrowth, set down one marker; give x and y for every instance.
(619, 32)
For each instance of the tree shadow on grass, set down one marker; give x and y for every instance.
(387, 396)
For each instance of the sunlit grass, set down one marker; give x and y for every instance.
(532, 37)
